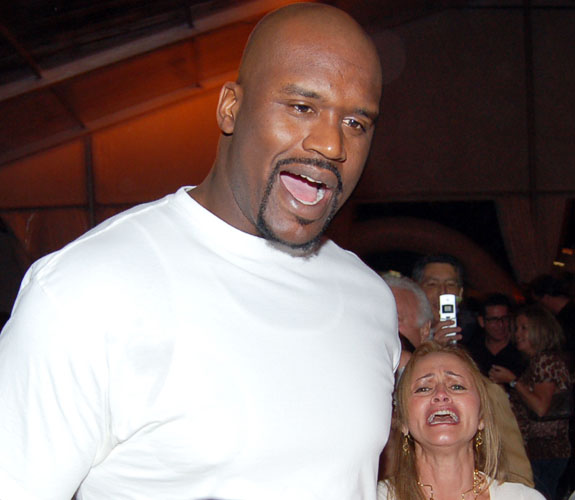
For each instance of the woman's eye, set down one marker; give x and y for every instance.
(421, 389)
(458, 387)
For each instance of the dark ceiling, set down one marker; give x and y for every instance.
(40, 34)
(37, 35)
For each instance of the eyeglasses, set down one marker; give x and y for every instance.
(497, 319)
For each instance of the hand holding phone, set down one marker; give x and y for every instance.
(448, 311)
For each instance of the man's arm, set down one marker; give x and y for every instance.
(52, 420)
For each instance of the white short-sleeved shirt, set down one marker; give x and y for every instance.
(167, 355)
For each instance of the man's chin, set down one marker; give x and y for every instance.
(298, 247)
(297, 250)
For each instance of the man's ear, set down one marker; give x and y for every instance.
(228, 106)
(481, 321)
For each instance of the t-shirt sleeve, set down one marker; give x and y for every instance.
(52, 394)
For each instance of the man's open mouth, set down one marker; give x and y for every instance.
(304, 189)
(442, 417)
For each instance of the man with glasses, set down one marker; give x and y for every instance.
(494, 346)
(438, 275)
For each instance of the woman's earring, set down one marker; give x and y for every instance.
(405, 445)
(478, 441)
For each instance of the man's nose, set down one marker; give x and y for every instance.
(325, 137)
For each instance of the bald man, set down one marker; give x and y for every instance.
(213, 344)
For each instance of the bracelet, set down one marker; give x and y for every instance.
(513, 383)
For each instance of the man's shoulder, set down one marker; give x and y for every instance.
(122, 229)
(106, 253)
(331, 250)
(351, 268)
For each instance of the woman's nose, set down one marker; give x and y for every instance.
(441, 395)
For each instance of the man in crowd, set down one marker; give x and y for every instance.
(414, 306)
(493, 346)
(438, 275)
(212, 344)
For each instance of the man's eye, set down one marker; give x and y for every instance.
(350, 122)
(302, 108)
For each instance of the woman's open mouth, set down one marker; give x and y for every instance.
(442, 417)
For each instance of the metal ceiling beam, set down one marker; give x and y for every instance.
(21, 50)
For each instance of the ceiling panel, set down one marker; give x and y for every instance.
(53, 31)
(143, 158)
(219, 51)
(31, 118)
(56, 177)
(140, 79)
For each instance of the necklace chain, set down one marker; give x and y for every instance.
(476, 488)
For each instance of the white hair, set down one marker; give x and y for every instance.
(424, 312)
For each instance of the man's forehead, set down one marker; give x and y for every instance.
(286, 55)
(300, 47)
(440, 271)
(497, 308)
(309, 29)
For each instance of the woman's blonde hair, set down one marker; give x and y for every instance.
(404, 475)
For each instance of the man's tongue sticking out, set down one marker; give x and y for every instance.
(304, 190)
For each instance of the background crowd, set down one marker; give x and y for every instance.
(524, 353)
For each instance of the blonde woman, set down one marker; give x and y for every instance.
(450, 445)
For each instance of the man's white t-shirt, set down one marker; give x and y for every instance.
(167, 355)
